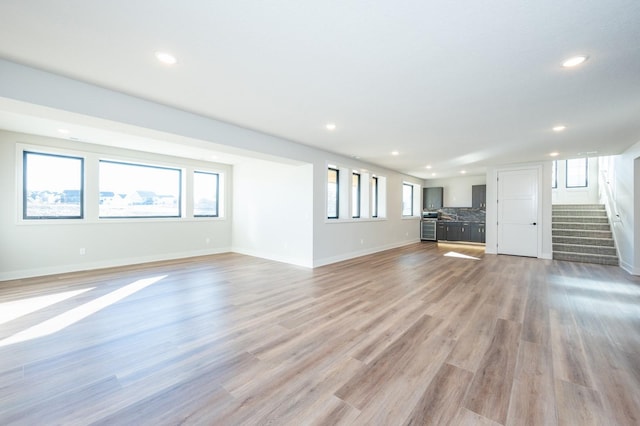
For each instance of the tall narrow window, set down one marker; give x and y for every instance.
(407, 199)
(52, 186)
(206, 188)
(577, 173)
(554, 174)
(333, 197)
(374, 197)
(137, 190)
(355, 195)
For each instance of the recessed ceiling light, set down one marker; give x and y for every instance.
(395, 153)
(63, 131)
(463, 171)
(575, 61)
(428, 167)
(433, 174)
(166, 58)
(554, 154)
(559, 128)
(330, 126)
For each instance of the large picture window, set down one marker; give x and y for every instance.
(205, 194)
(554, 174)
(577, 173)
(333, 199)
(52, 186)
(139, 191)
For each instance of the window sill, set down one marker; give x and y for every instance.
(356, 220)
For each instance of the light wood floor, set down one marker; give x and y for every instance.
(407, 336)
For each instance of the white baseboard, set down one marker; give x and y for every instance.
(629, 268)
(62, 269)
(359, 253)
(307, 263)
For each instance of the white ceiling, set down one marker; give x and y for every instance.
(455, 85)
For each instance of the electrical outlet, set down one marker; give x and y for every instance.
(83, 251)
(207, 240)
(362, 241)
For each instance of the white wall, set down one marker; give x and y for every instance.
(339, 240)
(626, 185)
(588, 195)
(273, 211)
(544, 197)
(45, 247)
(457, 190)
(33, 91)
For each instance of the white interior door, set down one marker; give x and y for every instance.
(518, 212)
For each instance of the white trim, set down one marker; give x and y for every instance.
(92, 161)
(78, 267)
(359, 253)
(307, 263)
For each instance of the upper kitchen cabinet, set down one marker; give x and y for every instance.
(432, 198)
(479, 196)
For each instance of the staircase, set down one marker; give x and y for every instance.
(581, 233)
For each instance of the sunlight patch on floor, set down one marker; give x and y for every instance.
(460, 255)
(74, 315)
(19, 308)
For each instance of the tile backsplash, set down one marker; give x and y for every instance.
(462, 214)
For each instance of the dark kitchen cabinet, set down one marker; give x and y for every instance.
(432, 198)
(453, 231)
(441, 231)
(461, 231)
(479, 196)
(458, 231)
(477, 234)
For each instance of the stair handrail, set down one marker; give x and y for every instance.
(604, 185)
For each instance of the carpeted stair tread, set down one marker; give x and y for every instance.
(586, 258)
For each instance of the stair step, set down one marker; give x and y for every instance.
(588, 233)
(602, 242)
(580, 219)
(578, 206)
(586, 258)
(581, 233)
(581, 226)
(585, 212)
(584, 249)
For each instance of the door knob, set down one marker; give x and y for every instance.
(534, 223)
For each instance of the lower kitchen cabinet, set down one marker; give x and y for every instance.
(477, 233)
(461, 231)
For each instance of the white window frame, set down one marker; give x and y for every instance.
(346, 210)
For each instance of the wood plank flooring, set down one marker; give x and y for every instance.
(403, 337)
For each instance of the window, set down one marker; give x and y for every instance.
(577, 173)
(135, 190)
(374, 197)
(554, 174)
(407, 199)
(205, 194)
(355, 195)
(333, 198)
(52, 186)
